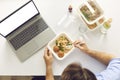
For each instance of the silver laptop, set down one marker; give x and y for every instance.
(26, 31)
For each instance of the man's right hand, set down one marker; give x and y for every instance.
(81, 45)
(101, 56)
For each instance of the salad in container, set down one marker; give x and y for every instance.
(61, 46)
(91, 13)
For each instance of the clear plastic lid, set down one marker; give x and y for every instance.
(90, 11)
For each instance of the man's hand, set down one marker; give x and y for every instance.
(48, 57)
(48, 60)
(100, 56)
(81, 45)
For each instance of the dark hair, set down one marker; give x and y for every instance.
(75, 71)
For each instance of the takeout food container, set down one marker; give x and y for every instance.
(95, 25)
(86, 13)
(59, 40)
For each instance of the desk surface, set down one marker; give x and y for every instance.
(53, 11)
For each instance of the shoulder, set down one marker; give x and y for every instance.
(112, 71)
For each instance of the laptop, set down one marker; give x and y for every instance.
(26, 31)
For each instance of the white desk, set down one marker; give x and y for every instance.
(53, 11)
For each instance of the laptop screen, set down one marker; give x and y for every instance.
(18, 18)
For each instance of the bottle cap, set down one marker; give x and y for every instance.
(70, 8)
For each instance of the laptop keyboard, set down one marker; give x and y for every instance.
(29, 33)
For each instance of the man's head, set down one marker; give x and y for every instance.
(75, 71)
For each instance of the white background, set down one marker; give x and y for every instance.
(53, 11)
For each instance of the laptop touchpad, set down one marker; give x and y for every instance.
(29, 48)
